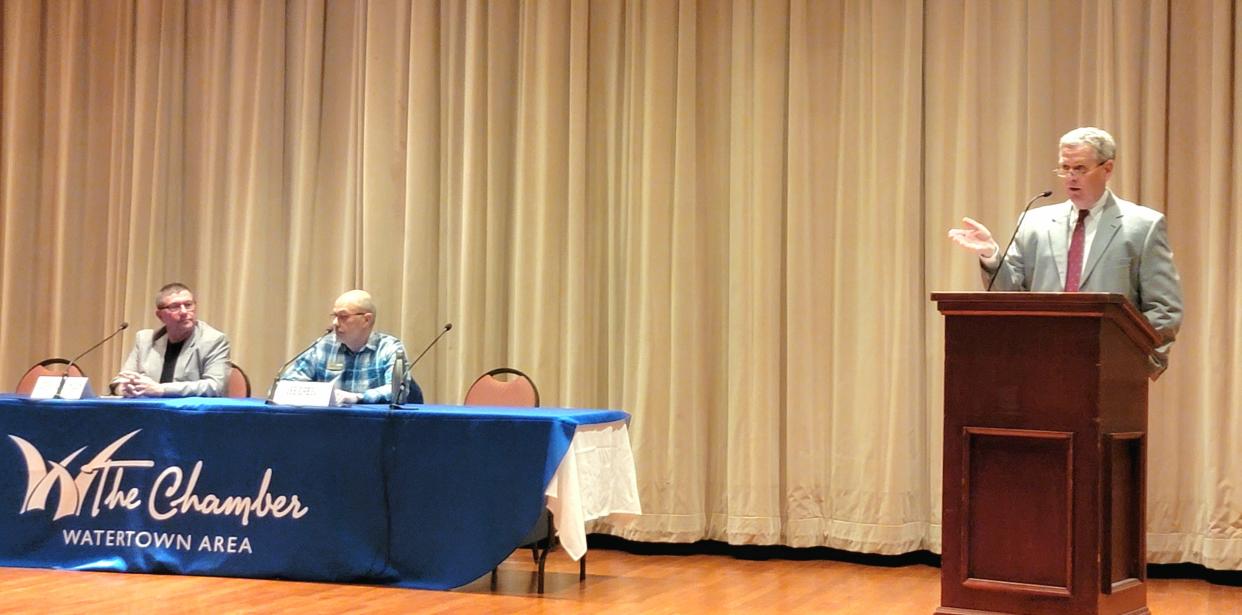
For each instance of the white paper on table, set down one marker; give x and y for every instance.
(305, 393)
(75, 387)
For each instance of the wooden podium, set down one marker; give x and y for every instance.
(1045, 437)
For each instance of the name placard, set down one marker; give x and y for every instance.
(76, 387)
(302, 393)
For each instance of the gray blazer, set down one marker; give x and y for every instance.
(202, 367)
(1130, 255)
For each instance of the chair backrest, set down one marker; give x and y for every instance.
(503, 386)
(47, 367)
(238, 384)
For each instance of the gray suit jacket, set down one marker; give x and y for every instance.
(1130, 255)
(202, 367)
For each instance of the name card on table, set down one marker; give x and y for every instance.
(76, 387)
(302, 393)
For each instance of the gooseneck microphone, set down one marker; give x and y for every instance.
(61, 387)
(399, 385)
(1022, 218)
(272, 389)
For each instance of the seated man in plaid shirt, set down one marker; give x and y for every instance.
(361, 358)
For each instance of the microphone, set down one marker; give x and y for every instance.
(272, 389)
(448, 326)
(1042, 195)
(61, 387)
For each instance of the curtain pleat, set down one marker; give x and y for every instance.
(723, 216)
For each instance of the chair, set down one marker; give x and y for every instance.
(238, 383)
(47, 367)
(505, 386)
(490, 390)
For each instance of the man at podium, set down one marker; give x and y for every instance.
(184, 358)
(353, 352)
(1093, 242)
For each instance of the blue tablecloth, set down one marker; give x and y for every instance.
(428, 496)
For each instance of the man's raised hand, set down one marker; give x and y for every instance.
(974, 237)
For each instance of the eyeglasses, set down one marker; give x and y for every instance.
(1078, 171)
(186, 306)
(345, 315)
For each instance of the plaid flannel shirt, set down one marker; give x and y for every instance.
(367, 372)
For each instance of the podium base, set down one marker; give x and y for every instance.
(951, 610)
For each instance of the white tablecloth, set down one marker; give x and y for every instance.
(595, 479)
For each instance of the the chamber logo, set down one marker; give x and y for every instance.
(104, 484)
(43, 476)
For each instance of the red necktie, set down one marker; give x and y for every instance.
(1073, 271)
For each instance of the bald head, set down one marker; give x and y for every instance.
(353, 318)
(356, 301)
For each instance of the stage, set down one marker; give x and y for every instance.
(619, 582)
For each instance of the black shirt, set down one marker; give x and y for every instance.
(170, 361)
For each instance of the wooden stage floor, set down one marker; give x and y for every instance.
(617, 582)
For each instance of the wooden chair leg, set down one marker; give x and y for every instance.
(494, 578)
(582, 569)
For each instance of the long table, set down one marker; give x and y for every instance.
(420, 496)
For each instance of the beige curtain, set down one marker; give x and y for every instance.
(724, 217)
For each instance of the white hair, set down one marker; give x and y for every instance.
(1097, 139)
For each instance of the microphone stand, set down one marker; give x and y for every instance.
(65, 376)
(272, 389)
(396, 399)
(1021, 219)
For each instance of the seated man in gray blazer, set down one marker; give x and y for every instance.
(183, 358)
(1094, 242)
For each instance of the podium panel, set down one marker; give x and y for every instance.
(1044, 453)
(1017, 478)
